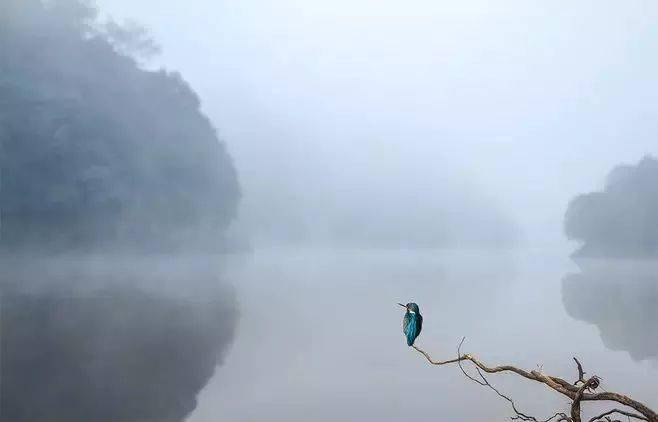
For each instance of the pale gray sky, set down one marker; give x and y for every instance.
(527, 103)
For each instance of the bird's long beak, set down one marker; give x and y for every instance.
(404, 306)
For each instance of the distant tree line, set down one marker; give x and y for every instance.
(95, 151)
(620, 220)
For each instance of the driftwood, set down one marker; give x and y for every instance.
(584, 389)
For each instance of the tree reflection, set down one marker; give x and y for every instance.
(621, 298)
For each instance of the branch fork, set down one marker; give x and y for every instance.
(582, 390)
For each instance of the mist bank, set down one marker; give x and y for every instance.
(620, 220)
(384, 204)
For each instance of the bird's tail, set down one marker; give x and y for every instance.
(410, 340)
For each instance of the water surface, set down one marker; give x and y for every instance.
(320, 334)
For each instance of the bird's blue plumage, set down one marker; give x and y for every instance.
(412, 323)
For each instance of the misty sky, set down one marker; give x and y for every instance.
(527, 103)
(461, 121)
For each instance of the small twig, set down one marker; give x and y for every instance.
(581, 373)
(621, 412)
(483, 381)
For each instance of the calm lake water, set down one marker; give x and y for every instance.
(320, 334)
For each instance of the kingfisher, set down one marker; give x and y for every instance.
(412, 322)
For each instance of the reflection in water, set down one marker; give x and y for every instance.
(109, 342)
(621, 298)
(320, 337)
(344, 357)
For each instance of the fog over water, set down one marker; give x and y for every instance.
(320, 336)
(335, 109)
(331, 107)
(366, 153)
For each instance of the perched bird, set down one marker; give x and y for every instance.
(412, 322)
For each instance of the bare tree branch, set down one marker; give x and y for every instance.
(581, 373)
(576, 393)
(485, 382)
(589, 384)
(603, 416)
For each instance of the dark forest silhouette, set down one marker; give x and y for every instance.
(96, 151)
(103, 163)
(620, 220)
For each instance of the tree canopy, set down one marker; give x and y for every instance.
(620, 220)
(96, 151)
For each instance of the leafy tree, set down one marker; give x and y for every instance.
(96, 151)
(620, 220)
